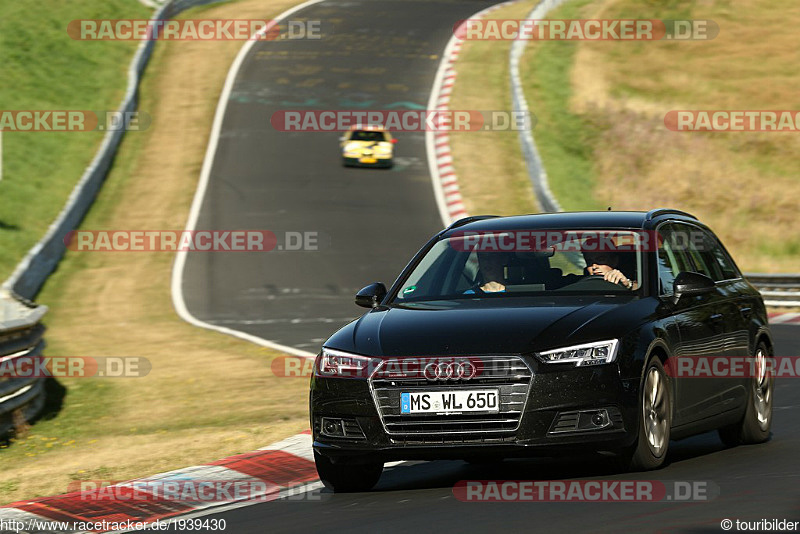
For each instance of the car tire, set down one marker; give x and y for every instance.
(757, 421)
(655, 419)
(347, 477)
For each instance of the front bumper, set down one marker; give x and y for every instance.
(561, 400)
(380, 161)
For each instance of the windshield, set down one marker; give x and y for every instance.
(507, 264)
(367, 135)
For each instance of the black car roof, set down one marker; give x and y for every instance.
(565, 220)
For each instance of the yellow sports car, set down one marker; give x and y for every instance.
(367, 146)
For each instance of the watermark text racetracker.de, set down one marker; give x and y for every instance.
(193, 240)
(340, 365)
(723, 120)
(402, 120)
(24, 366)
(193, 29)
(60, 120)
(188, 490)
(585, 30)
(714, 366)
(585, 491)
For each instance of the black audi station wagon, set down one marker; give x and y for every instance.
(545, 334)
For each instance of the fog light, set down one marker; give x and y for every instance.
(332, 427)
(599, 419)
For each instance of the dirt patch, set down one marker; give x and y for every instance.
(208, 395)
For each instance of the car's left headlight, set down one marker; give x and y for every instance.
(596, 353)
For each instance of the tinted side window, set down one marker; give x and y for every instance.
(706, 253)
(672, 258)
(695, 242)
(725, 262)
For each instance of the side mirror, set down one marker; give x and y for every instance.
(371, 296)
(342, 139)
(690, 283)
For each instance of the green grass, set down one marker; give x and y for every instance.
(44, 69)
(564, 139)
(112, 304)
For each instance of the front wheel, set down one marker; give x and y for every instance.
(757, 421)
(655, 419)
(346, 478)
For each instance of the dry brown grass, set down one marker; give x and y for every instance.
(491, 172)
(745, 185)
(208, 395)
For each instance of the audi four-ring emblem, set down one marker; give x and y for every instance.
(450, 371)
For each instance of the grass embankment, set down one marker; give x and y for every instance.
(208, 395)
(601, 105)
(44, 69)
(491, 172)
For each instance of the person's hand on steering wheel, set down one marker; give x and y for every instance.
(492, 287)
(609, 274)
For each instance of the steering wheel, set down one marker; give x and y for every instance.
(592, 281)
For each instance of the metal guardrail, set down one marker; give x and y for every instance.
(779, 290)
(21, 333)
(30, 274)
(536, 172)
(21, 336)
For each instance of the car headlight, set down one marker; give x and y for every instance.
(339, 364)
(596, 353)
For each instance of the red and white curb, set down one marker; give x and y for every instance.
(784, 318)
(437, 143)
(283, 467)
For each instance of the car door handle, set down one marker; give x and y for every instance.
(746, 312)
(716, 317)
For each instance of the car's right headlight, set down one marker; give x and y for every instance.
(596, 353)
(339, 364)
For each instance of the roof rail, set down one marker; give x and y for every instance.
(652, 214)
(467, 220)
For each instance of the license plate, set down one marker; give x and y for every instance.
(472, 400)
(368, 160)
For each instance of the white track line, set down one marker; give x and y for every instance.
(437, 144)
(194, 213)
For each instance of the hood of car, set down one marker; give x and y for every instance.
(508, 326)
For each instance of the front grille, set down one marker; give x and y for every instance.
(509, 374)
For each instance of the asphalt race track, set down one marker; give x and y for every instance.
(373, 54)
(755, 482)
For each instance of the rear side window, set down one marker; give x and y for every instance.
(725, 262)
(706, 253)
(672, 258)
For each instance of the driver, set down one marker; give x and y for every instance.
(491, 268)
(604, 263)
